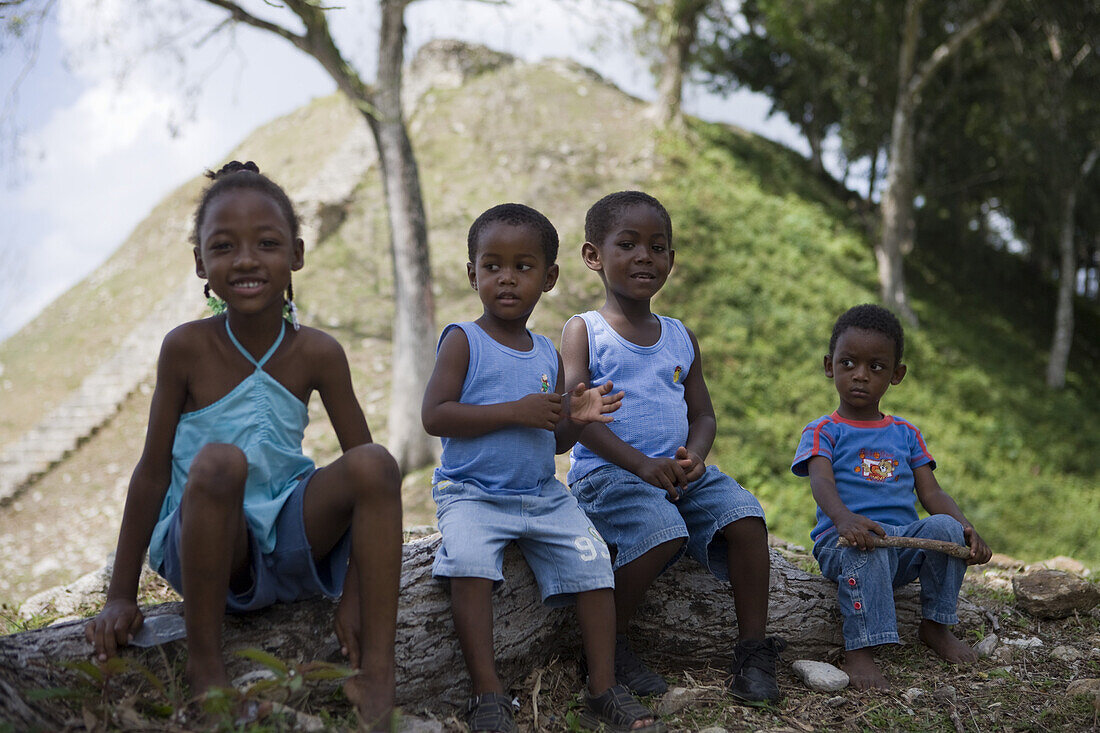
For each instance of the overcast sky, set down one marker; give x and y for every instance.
(106, 131)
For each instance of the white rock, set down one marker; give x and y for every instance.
(946, 693)
(1002, 654)
(675, 700)
(1066, 654)
(714, 729)
(820, 676)
(985, 647)
(912, 695)
(1032, 642)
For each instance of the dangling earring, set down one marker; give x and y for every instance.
(290, 311)
(214, 303)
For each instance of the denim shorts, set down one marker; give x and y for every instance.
(288, 573)
(563, 549)
(866, 579)
(635, 516)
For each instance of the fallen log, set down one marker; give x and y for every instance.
(916, 543)
(687, 619)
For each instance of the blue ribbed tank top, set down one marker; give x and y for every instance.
(653, 416)
(266, 421)
(514, 459)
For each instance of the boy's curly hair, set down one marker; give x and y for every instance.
(236, 174)
(515, 215)
(602, 214)
(871, 317)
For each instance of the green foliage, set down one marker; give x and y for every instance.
(765, 265)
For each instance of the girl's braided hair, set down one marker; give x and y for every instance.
(236, 174)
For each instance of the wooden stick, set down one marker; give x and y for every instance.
(916, 543)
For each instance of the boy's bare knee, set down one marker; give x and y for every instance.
(746, 529)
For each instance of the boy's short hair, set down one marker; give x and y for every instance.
(515, 215)
(601, 216)
(871, 317)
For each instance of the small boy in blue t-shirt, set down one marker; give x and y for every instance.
(496, 398)
(865, 470)
(643, 480)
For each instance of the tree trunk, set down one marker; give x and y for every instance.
(1062, 341)
(897, 200)
(677, 23)
(687, 619)
(414, 328)
(897, 215)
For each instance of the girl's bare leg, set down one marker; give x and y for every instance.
(363, 485)
(213, 548)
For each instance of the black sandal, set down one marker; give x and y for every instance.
(490, 712)
(617, 710)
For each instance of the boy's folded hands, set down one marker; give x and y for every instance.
(544, 410)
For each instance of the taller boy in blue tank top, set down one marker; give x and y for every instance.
(642, 479)
(496, 398)
(864, 469)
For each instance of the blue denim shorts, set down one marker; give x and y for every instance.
(635, 516)
(288, 573)
(866, 579)
(563, 549)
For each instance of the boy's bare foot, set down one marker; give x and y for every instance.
(373, 701)
(938, 638)
(862, 671)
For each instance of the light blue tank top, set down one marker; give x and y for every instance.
(653, 416)
(266, 421)
(514, 459)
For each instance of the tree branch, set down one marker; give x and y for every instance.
(949, 47)
(241, 15)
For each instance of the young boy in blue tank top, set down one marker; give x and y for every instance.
(234, 516)
(496, 398)
(866, 470)
(642, 479)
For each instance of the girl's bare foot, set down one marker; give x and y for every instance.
(373, 701)
(204, 676)
(862, 671)
(938, 638)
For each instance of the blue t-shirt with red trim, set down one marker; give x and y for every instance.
(873, 462)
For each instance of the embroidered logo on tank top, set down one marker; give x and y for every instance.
(544, 383)
(676, 374)
(876, 466)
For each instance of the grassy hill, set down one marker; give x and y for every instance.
(769, 255)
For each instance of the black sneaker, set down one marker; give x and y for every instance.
(630, 671)
(752, 674)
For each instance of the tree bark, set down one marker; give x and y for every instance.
(677, 24)
(414, 307)
(687, 619)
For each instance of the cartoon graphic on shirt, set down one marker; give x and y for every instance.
(544, 385)
(875, 466)
(676, 374)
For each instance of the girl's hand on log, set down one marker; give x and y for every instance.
(979, 550)
(114, 627)
(859, 530)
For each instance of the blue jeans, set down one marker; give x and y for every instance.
(634, 516)
(562, 548)
(866, 579)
